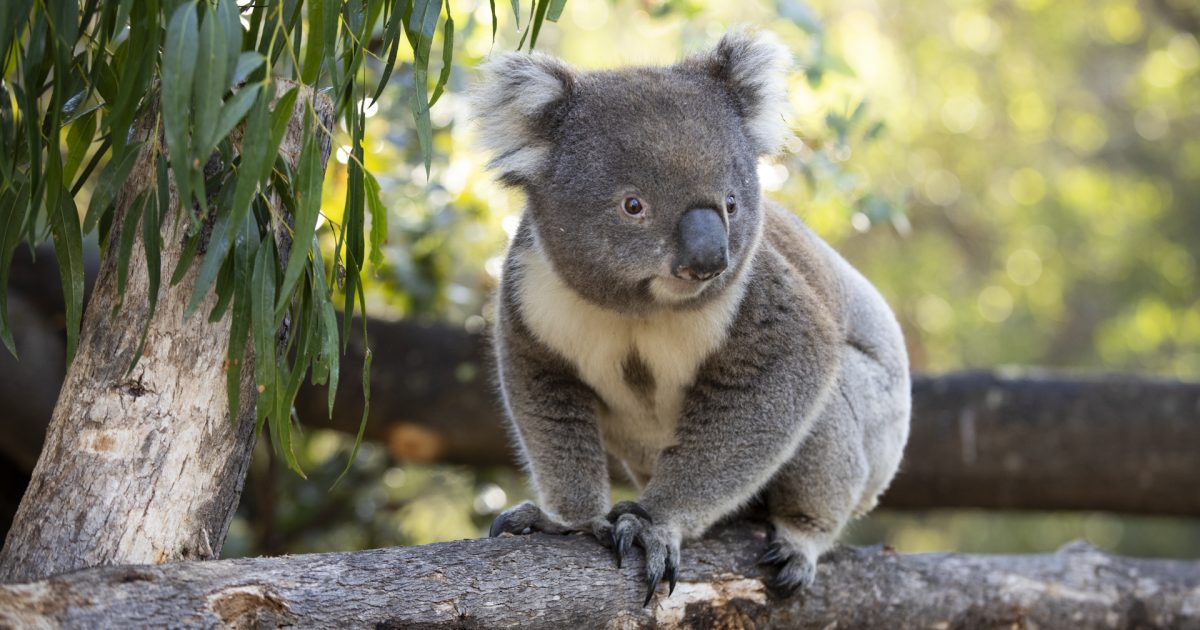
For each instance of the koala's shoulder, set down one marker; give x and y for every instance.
(803, 252)
(794, 288)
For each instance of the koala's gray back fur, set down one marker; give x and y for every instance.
(783, 380)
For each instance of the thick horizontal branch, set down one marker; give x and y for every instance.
(1052, 442)
(571, 582)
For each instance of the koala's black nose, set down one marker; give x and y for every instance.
(703, 245)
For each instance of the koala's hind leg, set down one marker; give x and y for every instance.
(815, 494)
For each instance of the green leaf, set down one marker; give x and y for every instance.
(516, 6)
(556, 9)
(13, 15)
(420, 110)
(254, 152)
(185, 259)
(495, 20)
(421, 26)
(224, 290)
(123, 13)
(235, 110)
(281, 116)
(209, 85)
(353, 219)
(281, 422)
(309, 177)
(12, 214)
(325, 365)
(135, 69)
(263, 331)
(538, 18)
(362, 424)
(229, 16)
(64, 15)
(152, 218)
(378, 219)
(179, 62)
(447, 57)
(245, 251)
(391, 41)
(248, 62)
(68, 249)
(112, 178)
(125, 248)
(304, 352)
(79, 140)
(314, 53)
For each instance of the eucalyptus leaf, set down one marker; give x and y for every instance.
(79, 140)
(129, 229)
(309, 177)
(112, 178)
(378, 219)
(262, 328)
(179, 58)
(68, 249)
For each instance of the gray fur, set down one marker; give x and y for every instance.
(784, 380)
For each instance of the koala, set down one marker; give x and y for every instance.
(656, 312)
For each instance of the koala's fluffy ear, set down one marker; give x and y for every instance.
(754, 66)
(516, 106)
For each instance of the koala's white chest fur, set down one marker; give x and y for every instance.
(667, 349)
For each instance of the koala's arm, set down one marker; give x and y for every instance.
(751, 404)
(554, 415)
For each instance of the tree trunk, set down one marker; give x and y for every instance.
(543, 581)
(144, 467)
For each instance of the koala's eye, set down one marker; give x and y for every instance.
(633, 206)
(731, 204)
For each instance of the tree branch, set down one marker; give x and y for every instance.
(571, 582)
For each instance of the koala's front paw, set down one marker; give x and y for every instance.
(526, 518)
(632, 524)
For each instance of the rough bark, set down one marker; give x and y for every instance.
(571, 582)
(144, 466)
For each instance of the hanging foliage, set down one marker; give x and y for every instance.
(216, 81)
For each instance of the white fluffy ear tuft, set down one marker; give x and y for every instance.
(754, 65)
(514, 107)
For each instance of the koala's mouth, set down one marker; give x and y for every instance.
(670, 289)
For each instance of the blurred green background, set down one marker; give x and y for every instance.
(1021, 178)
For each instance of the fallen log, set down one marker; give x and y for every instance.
(571, 582)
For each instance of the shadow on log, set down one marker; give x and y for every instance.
(571, 582)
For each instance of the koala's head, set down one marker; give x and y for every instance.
(641, 182)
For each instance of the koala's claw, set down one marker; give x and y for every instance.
(632, 524)
(628, 507)
(793, 570)
(525, 518)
